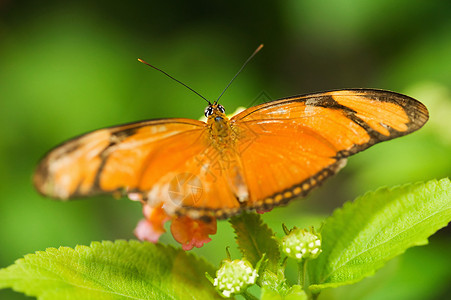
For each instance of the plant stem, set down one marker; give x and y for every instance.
(304, 281)
(302, 273)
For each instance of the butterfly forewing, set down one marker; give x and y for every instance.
(107, 160)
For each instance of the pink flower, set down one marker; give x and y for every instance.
(188, 232)
(152, 227)
(192, 233)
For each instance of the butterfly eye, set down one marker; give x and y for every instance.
(208, 111)
(221, 108)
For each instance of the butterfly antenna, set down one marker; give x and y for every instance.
(239, 71)
(146, 63)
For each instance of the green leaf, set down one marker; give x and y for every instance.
(359, 238)
(110, 270)
(294, 293)
(255, 238)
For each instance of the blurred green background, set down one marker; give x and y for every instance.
(66, 69)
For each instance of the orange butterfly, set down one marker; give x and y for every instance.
(260, 158)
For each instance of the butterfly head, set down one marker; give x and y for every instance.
(217, 120)
(215, 112)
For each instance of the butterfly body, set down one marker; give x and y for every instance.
(260, 158)
(220, 130)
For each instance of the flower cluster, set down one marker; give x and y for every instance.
(301, 244)
(188, 232)
(234, 276)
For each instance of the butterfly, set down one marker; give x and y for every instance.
(260, 158)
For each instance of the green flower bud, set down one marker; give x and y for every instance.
(301, 244)
(234, 276)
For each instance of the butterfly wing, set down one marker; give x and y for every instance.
(169, 162)
(111, 159)
(289, 146)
